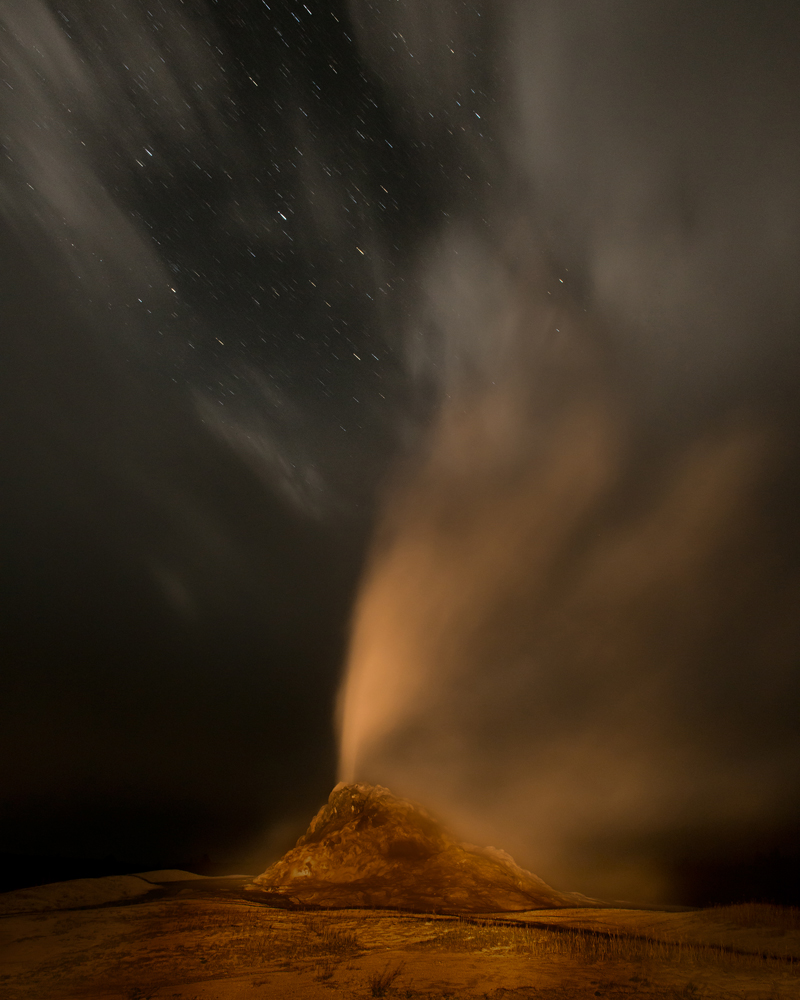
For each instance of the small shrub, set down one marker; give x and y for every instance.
(324, 971)
(380, 982)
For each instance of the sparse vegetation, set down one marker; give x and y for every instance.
(783, 918)
(381, 982)
(588, 948)
(252, 936)
(335, 953)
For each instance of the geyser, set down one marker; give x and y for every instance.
(577, 633)
(367, 848)
(563, 662)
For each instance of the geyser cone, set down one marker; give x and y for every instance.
(367, 848)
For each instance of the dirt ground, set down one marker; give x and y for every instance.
(213, 939)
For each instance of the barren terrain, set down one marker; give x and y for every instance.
(170, 936)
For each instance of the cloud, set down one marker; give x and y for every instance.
(659, 160)
(269, 433)
(89, 102)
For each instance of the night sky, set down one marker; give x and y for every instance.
(292, 290)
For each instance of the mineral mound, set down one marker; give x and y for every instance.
(367, 848)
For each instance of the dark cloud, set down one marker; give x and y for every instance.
(188, 472)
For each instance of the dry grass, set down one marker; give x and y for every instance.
(781, 918)
(254, 935)
(341, 952)
(191, 941)
(590, 948)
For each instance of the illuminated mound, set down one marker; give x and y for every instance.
(366, 848)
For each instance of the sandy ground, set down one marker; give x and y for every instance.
(193, 939)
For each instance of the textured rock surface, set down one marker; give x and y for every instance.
(367, 848)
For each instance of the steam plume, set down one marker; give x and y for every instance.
(577, 632)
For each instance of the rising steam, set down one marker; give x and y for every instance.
(577, 632)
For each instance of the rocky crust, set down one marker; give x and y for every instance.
(367, 848)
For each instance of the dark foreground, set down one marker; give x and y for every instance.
(177, 938)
